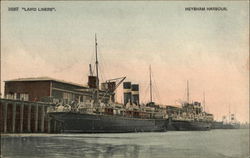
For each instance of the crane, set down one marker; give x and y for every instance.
(116, 86)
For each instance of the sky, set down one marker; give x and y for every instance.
(210, 49)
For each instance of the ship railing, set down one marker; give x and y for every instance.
(58, 110)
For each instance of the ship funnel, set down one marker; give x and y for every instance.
(127, 92)
(92, 81)
(135, 94)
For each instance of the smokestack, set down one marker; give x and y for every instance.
(92, 82)
(135, 94)
(127, 92)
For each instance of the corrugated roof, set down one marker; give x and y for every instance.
(43, 79)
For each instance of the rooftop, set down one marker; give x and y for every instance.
(43, 79)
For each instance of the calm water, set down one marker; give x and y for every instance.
(200, 144)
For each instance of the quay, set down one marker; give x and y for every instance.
(19, 116)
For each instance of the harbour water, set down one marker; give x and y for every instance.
(184, 144)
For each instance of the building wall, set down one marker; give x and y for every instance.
(36, 90)
(67, 93)
(41, 91)
(64, 86)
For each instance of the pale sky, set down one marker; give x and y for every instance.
(208, 48)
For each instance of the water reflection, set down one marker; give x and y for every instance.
(213, 144)
(61, 147)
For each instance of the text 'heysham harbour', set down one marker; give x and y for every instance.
(205, 8)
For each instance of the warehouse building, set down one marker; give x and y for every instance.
(47, 89)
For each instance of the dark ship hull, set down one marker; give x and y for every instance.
(221, 125)
(91, 123)
(183, 125)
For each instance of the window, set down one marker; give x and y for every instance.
(10, 96)
(67, 97)
(24, 96)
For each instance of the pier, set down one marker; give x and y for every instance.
(27, 117)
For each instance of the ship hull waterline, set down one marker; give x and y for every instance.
(221, 125)
(182, 125)
(94, 123)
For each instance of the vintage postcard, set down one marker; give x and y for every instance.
(118, 79)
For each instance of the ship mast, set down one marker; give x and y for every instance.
(150, 84)
(97, 75)
(204, 101)
(90, 70)
(187, 92)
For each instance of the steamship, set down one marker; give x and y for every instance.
(101, 115)
(190, 117)
(228, 122)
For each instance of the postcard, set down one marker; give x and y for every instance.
(139, 79)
